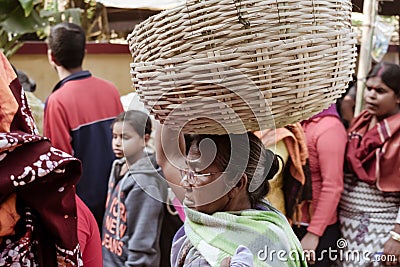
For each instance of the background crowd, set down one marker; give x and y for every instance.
(298, 188)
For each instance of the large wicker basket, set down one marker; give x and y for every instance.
(216, 66)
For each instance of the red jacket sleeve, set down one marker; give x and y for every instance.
(56, 126)
(89, 236)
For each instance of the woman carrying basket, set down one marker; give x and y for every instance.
(227, 220)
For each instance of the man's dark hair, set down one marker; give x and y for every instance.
(67, 42)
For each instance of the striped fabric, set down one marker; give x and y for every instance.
(217, 236)
(373, 152)
(366, 215)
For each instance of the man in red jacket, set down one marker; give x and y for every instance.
(79, 112)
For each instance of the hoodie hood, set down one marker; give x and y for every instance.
(144, 173)
(145, 165)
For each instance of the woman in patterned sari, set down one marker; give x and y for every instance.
(369, 207)
(38, 217)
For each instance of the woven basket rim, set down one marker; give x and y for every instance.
(301, 63)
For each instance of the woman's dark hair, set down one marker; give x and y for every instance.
(234, 150)
(389, 74)
(139, 121)
(67, 42)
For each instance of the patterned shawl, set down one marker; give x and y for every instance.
(297, 177)
(262, 231)
(373, 154)
(295, 141)
(44, 180)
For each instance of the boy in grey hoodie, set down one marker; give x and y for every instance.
(136, 195)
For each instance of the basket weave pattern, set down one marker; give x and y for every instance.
(248, 65)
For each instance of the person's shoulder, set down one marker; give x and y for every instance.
(102, 81)
(145, 186)
(67, 91)
(331, 127)
(148, 179)
(144, 174)
(83, 211)
(57, 94)
(330, 120)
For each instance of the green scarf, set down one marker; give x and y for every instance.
(218, 235)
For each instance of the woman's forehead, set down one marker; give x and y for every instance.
(375, 81)
(197, 160)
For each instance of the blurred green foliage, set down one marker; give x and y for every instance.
(21, 17)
